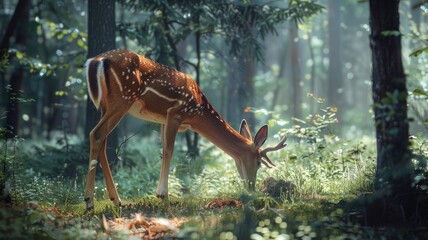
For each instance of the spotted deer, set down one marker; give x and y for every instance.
(121, 82)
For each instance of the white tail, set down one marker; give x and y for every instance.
(121, 82)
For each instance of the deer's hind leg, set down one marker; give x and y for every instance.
(98, 141)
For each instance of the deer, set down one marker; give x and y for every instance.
(122, 82)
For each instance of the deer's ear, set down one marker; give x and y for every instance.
(261, 136)
(244, 130)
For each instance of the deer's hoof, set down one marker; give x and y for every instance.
(89, 204)
(116, 201)
(161, 196)
(89, 209)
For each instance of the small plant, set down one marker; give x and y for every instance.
(266, 202)
(316, 127)
(65, 157)
(9, 166)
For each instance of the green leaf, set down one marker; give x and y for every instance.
(419, 92)
(275, 115)
(60, 93)
(391, 33)
(81, 43)
(417, 52)
(425, 121)
(19, 55)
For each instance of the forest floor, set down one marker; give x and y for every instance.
(317, 191)
(225, 217)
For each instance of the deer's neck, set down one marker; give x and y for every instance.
(214, 128)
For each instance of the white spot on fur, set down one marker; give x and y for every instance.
(116, 79)
(160, 95)
(93, 164)
(100, 73)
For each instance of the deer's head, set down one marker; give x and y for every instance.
(249, 162)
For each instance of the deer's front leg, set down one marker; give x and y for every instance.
(168, 131)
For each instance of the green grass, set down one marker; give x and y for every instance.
(326, 176)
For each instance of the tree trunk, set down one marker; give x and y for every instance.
(101, 38)
(394, 171)
(21, 16)
(313, 76)
(18, 15)
(43, 90)
(232, 95)
(18, 25)
(335, 76)
(282, 88)
(193, 144)
(243, 81)
(296, 80)
(246, 93)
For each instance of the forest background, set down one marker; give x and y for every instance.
(302, 67)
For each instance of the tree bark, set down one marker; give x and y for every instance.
(101, 38)
(394, 170)
(10, 29)
(193, 145)
(296, 80)
(19, 14)
(233, 84)
(246, 93)
(313, 76)
(19, 23)
(335, 76)
(282, 88)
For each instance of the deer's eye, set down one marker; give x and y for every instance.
(259, 163)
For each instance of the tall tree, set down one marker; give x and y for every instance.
(244, 87)
(233, 84)
(17, 26)
(335, 76)
(101, 38)
(247, 70)
(394, 169)
(296, 81)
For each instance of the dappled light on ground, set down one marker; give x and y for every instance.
(146, 228)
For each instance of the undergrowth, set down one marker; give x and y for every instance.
(325, 171)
